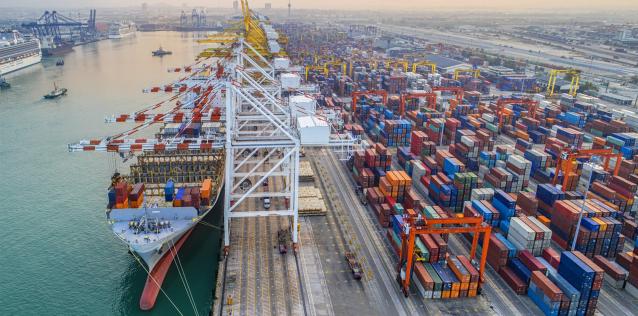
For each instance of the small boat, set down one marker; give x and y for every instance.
(161, 52)
(57, 92)
(60, 62)
(4, 84)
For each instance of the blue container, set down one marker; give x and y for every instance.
(169, 191)
(520, 269)
(549, 308)
(180, 194)
(577, 273)
(512, 251)
(397, 224)
(590, 224)
(111, 196)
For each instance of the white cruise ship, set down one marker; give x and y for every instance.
(17, 52)
(122, 30)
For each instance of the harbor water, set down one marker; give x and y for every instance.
(59, 256)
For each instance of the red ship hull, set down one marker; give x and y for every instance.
(156, 278)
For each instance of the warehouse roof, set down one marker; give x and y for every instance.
(444, 62)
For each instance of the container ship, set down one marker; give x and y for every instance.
(175, 177)
(122, 30)
(54, 46)
(17, 52)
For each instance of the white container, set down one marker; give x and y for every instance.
(313, 130)
(290, 81)
(301, 105)
(281, 63)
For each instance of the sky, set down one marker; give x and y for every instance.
(348, 4)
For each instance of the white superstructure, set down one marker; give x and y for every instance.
(122, 30)
(17, 52)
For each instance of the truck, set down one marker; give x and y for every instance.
(282, 240)
(354, 265)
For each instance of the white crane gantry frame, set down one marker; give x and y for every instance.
(260, 143)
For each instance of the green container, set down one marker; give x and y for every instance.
(596, 132)
(438, 283)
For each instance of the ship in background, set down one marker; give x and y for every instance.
(17, 52)
(54, 46)
(122, 30)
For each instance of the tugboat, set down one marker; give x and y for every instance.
(57, 92)
(161, 52)
(60, 62)
(4, 84)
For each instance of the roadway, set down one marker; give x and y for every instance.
(588, 66)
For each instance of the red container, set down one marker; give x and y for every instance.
(552, 256)
(548, 287)
(513, 280)
(614, 270)
(531, 262)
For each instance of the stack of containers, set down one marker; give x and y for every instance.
(599, 232)
(571, 296)
(404, 155)
(439, 189)
(487, 159)
(539, 160)
(482, 194)
(452, 166)
(545, 294)
(395, 184)
(396, 133)
(449, 133)
(136, 196)
(205, 191)
(434, 129)
(528, 203)
(464, 183)
(615, 275)
(577, 120)
(484, 208)
(520, 168)
(121, 195)
(585, 276)
(526, 233)
(555, 146)
(505, 205)
(570, 136)
(416, 142)
(547, 195)
(498, 178)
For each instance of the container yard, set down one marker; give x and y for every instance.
(363, 180)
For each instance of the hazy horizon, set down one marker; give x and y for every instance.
(503, 5)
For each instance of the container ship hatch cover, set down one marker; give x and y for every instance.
(176, 176)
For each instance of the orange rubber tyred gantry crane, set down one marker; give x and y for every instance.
(502, 102)
(356, 94)
(414, 226)
(458, 92)
(565, 162)
(430, 99)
